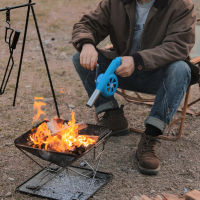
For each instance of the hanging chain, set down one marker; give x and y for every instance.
(8, 17)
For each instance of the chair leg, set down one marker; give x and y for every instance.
(175, 121)
(182, 119)
(137, 99)
(192, 103)
(136, 130)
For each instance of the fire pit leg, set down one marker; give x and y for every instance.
(94, 169)
(87, 164)
(95, 172)
(48, 167)
(31, 158)
(57, 171)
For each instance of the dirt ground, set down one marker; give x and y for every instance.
(180, 161)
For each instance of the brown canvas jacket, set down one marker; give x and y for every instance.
(168, 36)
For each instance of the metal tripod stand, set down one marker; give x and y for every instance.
(30, 8)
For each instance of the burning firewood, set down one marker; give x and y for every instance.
(61, 137)
(54, 126)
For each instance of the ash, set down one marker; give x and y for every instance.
(68, 185)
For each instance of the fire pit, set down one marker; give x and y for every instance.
(63, 159)
(61, 180)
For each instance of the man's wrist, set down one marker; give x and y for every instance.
(80, 44)
(88, 45)
(139, 63)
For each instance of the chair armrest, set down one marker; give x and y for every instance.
(195, 60)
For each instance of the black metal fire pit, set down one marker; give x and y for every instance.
(60, 158)
(64, 181)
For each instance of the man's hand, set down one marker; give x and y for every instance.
(88, 56)
(127, 67)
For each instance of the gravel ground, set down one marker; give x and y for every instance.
(180, 161)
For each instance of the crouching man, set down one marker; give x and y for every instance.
(154, 39)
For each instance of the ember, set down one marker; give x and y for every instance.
(58, 136)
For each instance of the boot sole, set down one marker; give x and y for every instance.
(145, 170)
(122, 132)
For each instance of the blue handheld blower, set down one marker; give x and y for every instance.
(106, 83)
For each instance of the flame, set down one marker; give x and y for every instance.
(62, 90)
(38, 107)
(38, 98)
(64, 137)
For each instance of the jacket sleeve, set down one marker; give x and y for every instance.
(93, 27)
(177, 44)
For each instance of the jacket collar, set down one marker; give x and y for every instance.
(159, 4)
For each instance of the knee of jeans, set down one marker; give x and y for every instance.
(76, 59)
(180, 69)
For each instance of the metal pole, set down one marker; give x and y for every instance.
(3, 86)
(45, 60)
(22, 52)
(8, 75)
(15, 7)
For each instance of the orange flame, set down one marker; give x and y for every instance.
(62, 137)
(38, 98)
(38, 107)
(62, 90)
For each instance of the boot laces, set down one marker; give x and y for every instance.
(149, 144)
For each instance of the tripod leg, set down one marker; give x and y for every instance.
(22, 53)
(3, 85)
(11, 68)
(45, 60)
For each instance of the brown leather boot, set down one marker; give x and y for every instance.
(116, 121)
(148, 162)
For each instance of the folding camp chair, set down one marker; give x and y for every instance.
(138, 97)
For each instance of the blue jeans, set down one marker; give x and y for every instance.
(169, 84)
